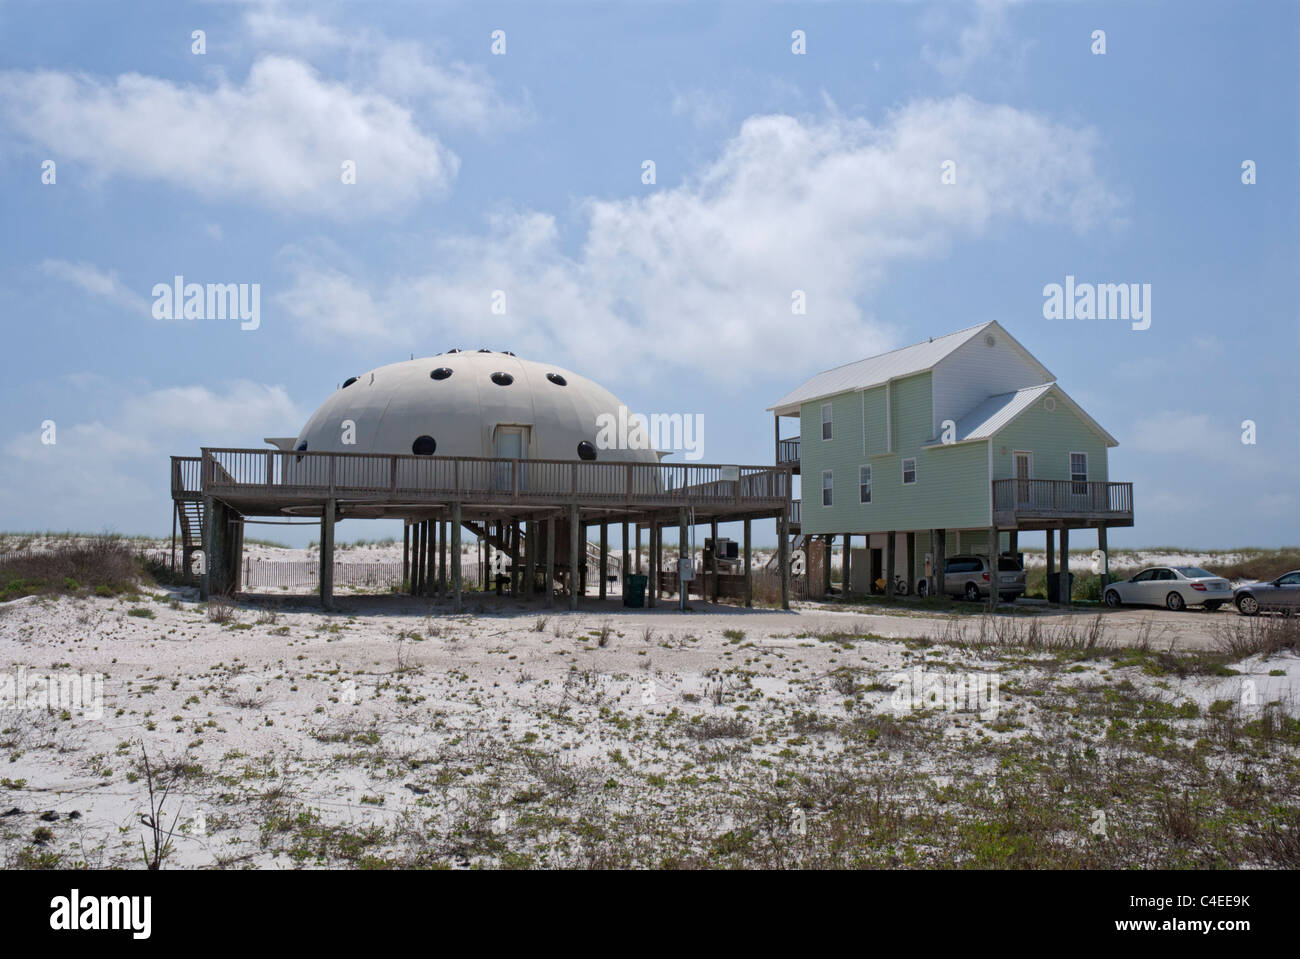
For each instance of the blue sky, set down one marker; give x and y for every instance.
(523, 172)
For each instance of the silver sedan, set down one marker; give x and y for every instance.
(1282, 594)
(1175, 587)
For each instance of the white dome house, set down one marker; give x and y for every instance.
(463, 403)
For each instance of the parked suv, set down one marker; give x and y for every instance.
(969, 576)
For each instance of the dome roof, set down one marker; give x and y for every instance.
(468, 404)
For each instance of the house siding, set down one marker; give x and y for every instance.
(973, 372)
(1051, 437)
(952, 488)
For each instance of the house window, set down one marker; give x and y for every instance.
(864, 484)
(1079, 472)
(826, 421)
(909, 471)
(826, 487)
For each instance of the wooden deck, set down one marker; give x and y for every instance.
(272, 482)
(1055, 504)
(562, 495)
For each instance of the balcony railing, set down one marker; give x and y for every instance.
(796, 512)
(1034, 498)
(787, 450)
(274, 474)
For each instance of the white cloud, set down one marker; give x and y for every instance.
(419, 75)
(279, 138)
(700, 276)
(101, 283)
(987, 39)
(117, 453)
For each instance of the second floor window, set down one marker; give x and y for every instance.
(1079, 472)
(826, 487)
(864, 484)
(909, 471)
(826, 421)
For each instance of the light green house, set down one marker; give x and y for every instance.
(941, 447)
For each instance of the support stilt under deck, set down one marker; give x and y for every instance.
(327, 555)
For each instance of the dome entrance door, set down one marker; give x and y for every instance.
(509, 442)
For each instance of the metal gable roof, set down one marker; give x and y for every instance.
(875, 370)
(998, 411)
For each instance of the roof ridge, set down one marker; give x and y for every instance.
(899, 349)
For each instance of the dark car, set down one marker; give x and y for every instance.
(1281, 594)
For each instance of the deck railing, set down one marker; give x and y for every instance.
(365, 475)
(796, 512)
(787, 450)
(1047, 497)
(186, 472)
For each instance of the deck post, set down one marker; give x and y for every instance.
(406, 551)
(783, 552)
(846, 566)
(994, 577)
(1065, 565)
(1051, 558)
(941, 563)
(683, 585)
(1105, 559)
(604, 555)
(442, 560)
(749, 573)
(1013, 542)
(659, 556)
(652, 594)
(431, 560)
(487, 555)
(623, 569)
(638, 547)
(828, 546)
(911, 561)
(530, 557)
(550, 560)
(327, 554)
(891, 562)
(713, 528)
(455, 554)
(424, 555)
(414, 580)
(574, 534)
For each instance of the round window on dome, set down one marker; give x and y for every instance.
(586, 451)
(441, 373)
(424, 446)
(502, 379)
(557, 379)
(349, 381)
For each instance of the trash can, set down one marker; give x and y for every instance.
(1054, 587)
(634, 595)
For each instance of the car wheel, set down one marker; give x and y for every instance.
(1247, 605)
(1211, 607)
(1113, 600)
(1175, 602)
(972, 592)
